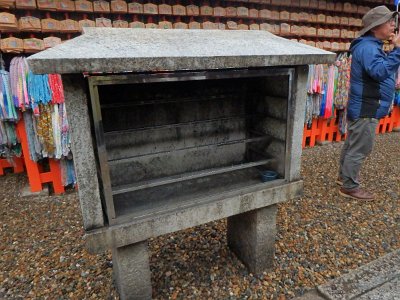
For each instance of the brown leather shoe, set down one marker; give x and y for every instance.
(358, 194)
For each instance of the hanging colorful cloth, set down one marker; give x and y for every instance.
(310, 78)
(57, 89)
(35, 148)
(18, 76)
(323, 103)
(315, 91)
(55, 118)
(7, 109)
(9, 143)
(343, 64)
(39, 91)
(330, 87)
(7, 134)
(323, 89)
(64, 127)
(68, 172)
(342, 115)
(309, 107)
(308, 112)
(45, 130)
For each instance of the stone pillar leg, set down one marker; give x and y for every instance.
(132, 271)
(251, 236)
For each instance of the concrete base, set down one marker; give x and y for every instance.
(26, 191)
(311, 295)
(380, 280)
(132, 271)
(251, 236)
(199, 211)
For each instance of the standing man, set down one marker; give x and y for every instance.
(372, 88)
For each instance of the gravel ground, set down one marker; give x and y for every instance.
(320, 236)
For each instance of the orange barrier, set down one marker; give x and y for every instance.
(395, 124)
(36, 175)
(384, 125)
(327, 130)
(322, 130)
(310, 134)
(390, 122)
(17, 164)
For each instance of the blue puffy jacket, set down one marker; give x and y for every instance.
(372, 79)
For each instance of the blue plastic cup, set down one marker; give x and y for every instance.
(268, 175)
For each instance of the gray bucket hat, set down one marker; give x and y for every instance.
(375, 17)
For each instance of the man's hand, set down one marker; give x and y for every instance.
(396, 40)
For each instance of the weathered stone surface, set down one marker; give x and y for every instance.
(388, 291)
(384, 271)
(132, 271)
(121, 50)
(252, 237)
(82, 147)
(277, 150)
(311, 295)
(277, 107)
(295, 126)
(251, 209)
(215, 208)
(275, 128)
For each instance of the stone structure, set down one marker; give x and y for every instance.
(190, 156)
